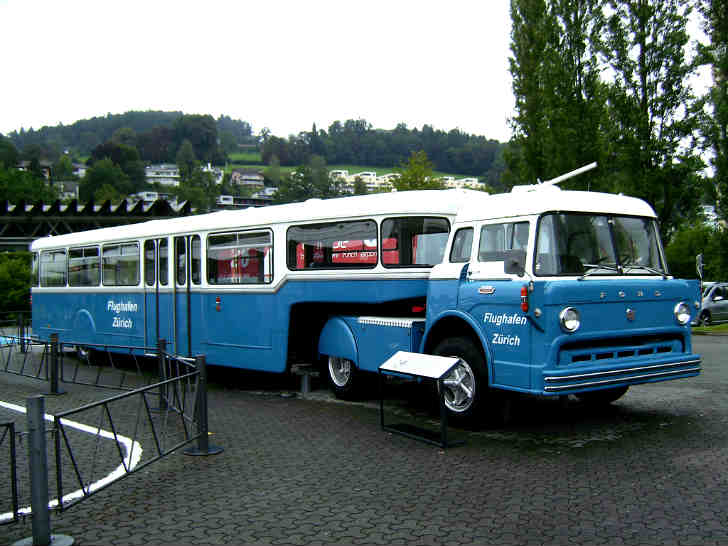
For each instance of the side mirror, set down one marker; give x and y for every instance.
(514, 262)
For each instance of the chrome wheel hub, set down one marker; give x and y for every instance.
(459, 388)
(340, 370)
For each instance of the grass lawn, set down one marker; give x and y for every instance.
(720, 328)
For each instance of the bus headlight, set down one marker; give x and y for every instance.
(682, 313)
(570, 319)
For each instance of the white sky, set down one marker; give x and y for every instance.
(284, 64)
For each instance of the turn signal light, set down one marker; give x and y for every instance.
(524, 298)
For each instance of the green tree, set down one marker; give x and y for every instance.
(714, 122)
(360, 187)
(307, 182)
(272, 173)
(201, 132)
(125, 136)
(63, 168)
(16, 186)
(650, 102)
(186, 160)
(199, 189)
(688, 242)
(101, 173)
(8, 154)
(417, 174)
(107, 192)
(228, 142)
(561, 119)
(15, 280)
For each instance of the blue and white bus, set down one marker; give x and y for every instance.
(538, 291)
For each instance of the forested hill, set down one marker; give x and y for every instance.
(84, 135)
(157, 136)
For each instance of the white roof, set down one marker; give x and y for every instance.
(440, 202)
(552, 199)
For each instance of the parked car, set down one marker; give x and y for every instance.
(714, 308)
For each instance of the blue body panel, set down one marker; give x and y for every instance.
(250, 330)
(529, 353)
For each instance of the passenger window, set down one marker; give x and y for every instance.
(35, 270)
(496, 239)
(462, 245)
(419, 241)
(195, 260)
(150, 263)
(121, 264)
(180, 252)
(240, 258)
(163, 262)
(84, 266)
(337, 245)
(53, 268)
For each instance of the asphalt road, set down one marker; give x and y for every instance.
(649, 469)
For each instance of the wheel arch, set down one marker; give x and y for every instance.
(337, 339)
(455, 324)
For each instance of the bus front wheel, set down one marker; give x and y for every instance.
(465, 386)
(343, 377)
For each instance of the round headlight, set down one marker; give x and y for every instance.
(682, 313)
(570, 319)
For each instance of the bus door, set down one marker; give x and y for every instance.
(493, 299)
(187, 274)
(156, 293)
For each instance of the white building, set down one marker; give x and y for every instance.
(166, 174)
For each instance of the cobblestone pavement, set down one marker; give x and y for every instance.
(649, 469)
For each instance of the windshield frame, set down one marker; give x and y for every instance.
(615, 268)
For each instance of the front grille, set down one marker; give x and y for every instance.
(619, 349)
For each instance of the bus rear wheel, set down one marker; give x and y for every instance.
(465, 386)
(343, 377)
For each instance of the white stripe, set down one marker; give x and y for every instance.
(133, 454)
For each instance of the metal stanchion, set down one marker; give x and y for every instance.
(55, 367)
(162, 372)
(38, 462)
(203, 444)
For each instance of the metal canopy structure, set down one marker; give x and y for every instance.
(23, 222)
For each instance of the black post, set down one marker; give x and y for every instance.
(162, 365)
(38, 461)
(203, 444)
(55, 364)
(21, 332)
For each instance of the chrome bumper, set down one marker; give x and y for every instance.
(632, 375)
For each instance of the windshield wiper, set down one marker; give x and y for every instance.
(630, 267)
(593, 268)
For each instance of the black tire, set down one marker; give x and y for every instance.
(603, 397)
(343, 377)
(705, 319)
(466, 387)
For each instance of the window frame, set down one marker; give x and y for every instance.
(292, 254)
(121, 244)
(269, 256)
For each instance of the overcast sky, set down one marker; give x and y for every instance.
(275, 63)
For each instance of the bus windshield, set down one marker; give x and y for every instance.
(597, 244)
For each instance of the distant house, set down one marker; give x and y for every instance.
(216, 173)
(79, 169)
(67, 190)
(247, 178)
(166, 174)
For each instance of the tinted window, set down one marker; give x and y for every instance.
(462, 245)
(53, 268)
(84, 266)
(333, 246)
(414, 241)
(121, 264)
(240, 258)
(496, 239)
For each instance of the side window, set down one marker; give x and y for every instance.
(462, 245)
(180, 253)
(34, 272)
(53, 268)
(150, 263)
(163, 262)
(121, 264)
(336, 245)
(195, 260)
(496, 239)
(414, 241)
(240, 258)
(84, 266)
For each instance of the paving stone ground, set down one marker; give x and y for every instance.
(649, 469)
